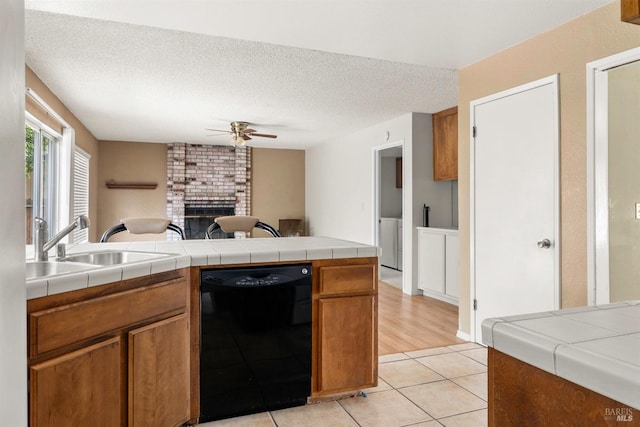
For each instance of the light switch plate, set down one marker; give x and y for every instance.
(637, 210)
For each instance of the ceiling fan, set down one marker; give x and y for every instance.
(240, 133)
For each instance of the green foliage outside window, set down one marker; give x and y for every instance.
(28, 150)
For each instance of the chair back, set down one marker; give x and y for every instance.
(143, 226)
(231, 224)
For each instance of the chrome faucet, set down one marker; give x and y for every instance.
(42, 246)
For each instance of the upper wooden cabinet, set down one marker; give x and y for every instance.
(630, 10)
(445, 144)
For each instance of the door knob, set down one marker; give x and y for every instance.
(544, 244)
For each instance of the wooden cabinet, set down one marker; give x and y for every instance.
(445, 144)
(398, 172)
(115, 354)
(438, 255)
(345, 357)
(81, 388)
(520, 394)
(159, 373)
(630, 11)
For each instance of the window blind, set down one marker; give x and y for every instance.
(80, 192)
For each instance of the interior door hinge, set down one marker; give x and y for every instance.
(475, 131)
(475, 304)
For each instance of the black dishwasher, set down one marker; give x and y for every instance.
(255, 339)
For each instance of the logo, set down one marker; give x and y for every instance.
(618, 414)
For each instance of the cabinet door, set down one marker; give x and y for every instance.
(445, 144)
(389, 242)
(451, 256)
(82, 388)
(346, 348)
(431, 261)
(159, 373)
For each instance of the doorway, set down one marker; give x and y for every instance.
(515, 202)
(613, 105)
(388, 208)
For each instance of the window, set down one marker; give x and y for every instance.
(41, 153)
(80, 192)
(49, 162)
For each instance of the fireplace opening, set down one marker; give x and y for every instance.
(197, 219)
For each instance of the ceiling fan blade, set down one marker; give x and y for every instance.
(218, 130)
(249, 130)
(246, 137)
(264, 135)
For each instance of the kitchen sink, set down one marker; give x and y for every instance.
(104, 258)
(87, 261)
(37, 269)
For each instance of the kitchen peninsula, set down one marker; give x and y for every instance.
(578, 366)
(121, 342)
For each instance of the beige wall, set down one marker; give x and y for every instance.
(84, 139)
(131, 162)
(278, 185)
(564, 50)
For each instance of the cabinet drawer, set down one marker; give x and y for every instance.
(72, 323)
(347, 278)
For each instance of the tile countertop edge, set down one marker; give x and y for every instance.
(616, 378)
(610, 377)
(190, 253)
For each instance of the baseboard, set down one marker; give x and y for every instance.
(442, 297)
(463, 335)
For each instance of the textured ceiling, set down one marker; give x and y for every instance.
(307, 70)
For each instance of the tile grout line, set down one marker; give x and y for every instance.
(445, 378)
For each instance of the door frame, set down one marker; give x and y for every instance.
(377, 188)
(553, 80)
(598, 173)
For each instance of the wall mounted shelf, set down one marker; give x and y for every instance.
(131, 185)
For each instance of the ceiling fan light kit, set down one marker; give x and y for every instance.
(240, 133)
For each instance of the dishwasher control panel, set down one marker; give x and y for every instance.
(255, 276)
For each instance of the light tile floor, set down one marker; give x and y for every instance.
(444, 386)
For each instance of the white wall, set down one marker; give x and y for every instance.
(339, 181)
(13, 332)
(340, 186)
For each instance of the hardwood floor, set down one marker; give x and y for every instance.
(407, 323)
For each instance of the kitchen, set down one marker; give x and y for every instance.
(472, 85)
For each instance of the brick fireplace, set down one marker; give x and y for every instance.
(207, 181)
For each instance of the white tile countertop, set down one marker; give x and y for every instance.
(188, 253)
(596, 347)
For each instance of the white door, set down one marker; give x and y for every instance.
(514, 206)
